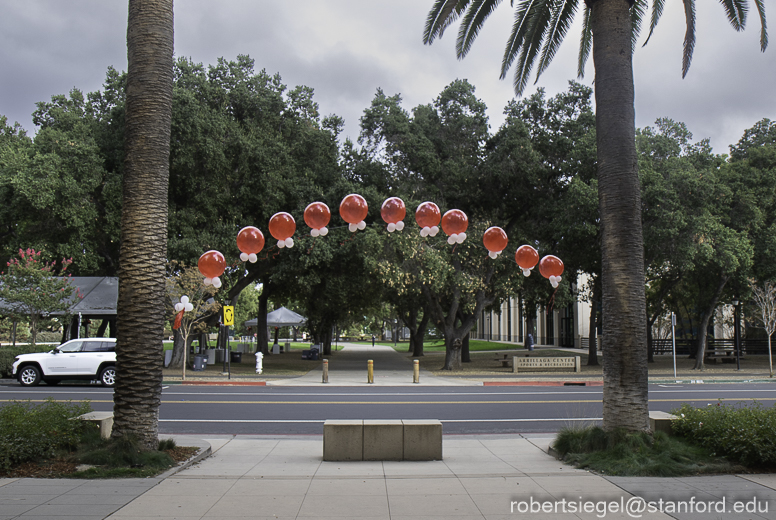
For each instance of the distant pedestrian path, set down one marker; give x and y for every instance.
(348, 367)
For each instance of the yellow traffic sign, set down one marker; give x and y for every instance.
(229, 315)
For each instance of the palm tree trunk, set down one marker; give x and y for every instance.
(625, 395)
(144, 221)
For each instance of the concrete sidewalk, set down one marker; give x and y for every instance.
(481, 477)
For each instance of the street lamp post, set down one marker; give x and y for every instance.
(737, 332)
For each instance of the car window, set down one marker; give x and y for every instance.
(108, 346)
(93, 346)
(71, 346)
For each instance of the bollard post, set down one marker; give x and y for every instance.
(416, 371)
(325, 371)
(370, 372)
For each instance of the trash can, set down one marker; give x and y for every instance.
(199, 362)
(287, 347)
(236, 357)
(314, 355)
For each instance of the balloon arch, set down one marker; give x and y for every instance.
(353, 210)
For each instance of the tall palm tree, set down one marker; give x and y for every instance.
(144, 221)
(611, 28)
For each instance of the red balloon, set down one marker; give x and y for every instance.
(250, 240)
(393, 210)
(353, 209)
(212, 264)
(428, 215)
(454, 222)
(282, 225)
(526, 257)
(551, 266)
(317, 215)
(495, 239)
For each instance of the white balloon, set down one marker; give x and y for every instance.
(353, 227)
(554, 284)
(315, 232)
(400, 225)
(362, 225)
(184, 299)
(391, 227)
(324, 231)
(188, 307)
(434, 231)
(424, 232)
(281, 244)
(526, 272)
(208, 281)
(289, 242)
(216, 282)
(252, 258)
(557, 279)
(451, 239)
(493, 255)
(244, 257)
(460, 238)
(178, 307)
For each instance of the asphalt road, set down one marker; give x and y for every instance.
(302, 410)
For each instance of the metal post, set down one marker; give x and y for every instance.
(673, 339)
(370, 372)
(325, 371)
(416, 371)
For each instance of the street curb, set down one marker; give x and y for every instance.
(542, 383)
(205, 451)
(216, 383)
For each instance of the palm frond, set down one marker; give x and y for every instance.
(657, 12)
(585, 44)
(472, 22)
(442, 14)
(519, 28)
(689, 35)
(763, 26)
(562, 17)
(736, 12)
(638, 10)
(538, 25)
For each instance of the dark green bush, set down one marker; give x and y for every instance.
(744, 433)
(29, 432)
(634, 454)
(7, 355)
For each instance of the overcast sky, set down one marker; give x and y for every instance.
(346, 49)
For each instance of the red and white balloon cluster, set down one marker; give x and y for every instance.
(183, 306)
(353, 210)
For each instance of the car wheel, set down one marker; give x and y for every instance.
(108, 376)
(51, 382)
(29, 376)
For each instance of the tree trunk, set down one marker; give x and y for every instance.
(453, 353)
(416, 339)
(705, 319)
(140, 309)
(262, 335)
(465, 357)
(177, 350)
(102, 328)
(625, 392)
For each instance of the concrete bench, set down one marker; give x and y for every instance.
(382, 439)
(661, 421)
(543, 362)
(102, 419)
(725, 354)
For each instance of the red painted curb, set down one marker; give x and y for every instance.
(542, 383)
(225, 383)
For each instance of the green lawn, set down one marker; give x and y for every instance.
(475, 345)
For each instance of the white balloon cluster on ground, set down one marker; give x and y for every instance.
(245, 257)
(429, 231)
(289, 242)
(355, 227)
(215, 282)
(456, 238)
(184, 305)
(320, 232)
(554, 280)
(398, 226)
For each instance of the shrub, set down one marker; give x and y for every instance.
(29, 432)
(7, 355)
(744, 433)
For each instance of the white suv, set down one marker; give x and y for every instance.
(83, 358)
